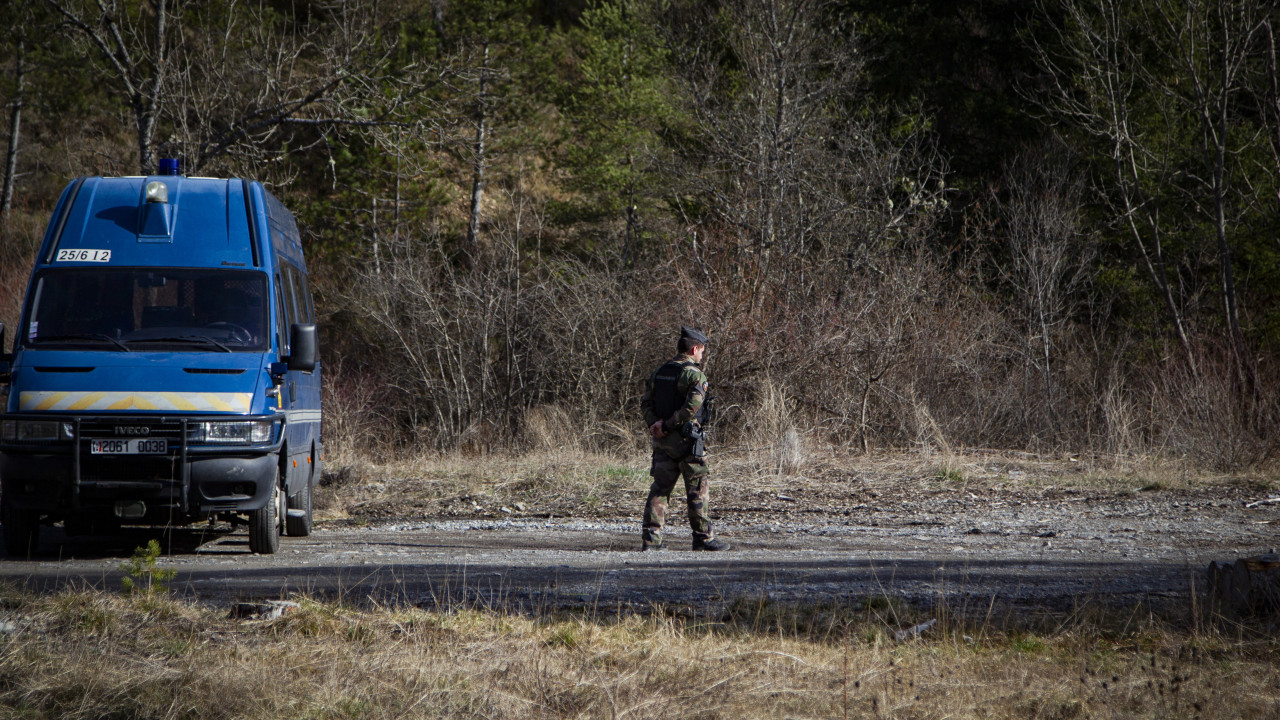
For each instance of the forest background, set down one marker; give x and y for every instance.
(1044, 225)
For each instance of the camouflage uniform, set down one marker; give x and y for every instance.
(678, 384)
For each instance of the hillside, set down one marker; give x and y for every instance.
(925, 226)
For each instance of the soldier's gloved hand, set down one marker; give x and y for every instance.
(657, 430)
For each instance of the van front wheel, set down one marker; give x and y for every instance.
(299, 518)
(264, 524)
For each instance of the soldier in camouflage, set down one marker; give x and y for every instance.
(674, 410)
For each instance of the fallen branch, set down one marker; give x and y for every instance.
(1268, 501)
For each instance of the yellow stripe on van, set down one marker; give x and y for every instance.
(49, 402)
(178, 401)
(216, 402)
(87, 401)
(124, 403)
(90, 401)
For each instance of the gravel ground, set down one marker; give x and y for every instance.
(843, 538)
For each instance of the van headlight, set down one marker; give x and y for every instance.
(35, 430)
(234, 432)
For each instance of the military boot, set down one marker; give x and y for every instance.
(712, 544)
(651, 540)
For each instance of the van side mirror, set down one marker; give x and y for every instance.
(304, 347)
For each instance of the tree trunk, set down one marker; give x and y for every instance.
(112, 37)
(862, 418)
(147, 105)
(147, 122)
(1156, 268)
(629, 239)
(1216, 131)
(15, 126)
(477, 181)
(1275, 105)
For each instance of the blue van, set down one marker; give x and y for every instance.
(165, 369)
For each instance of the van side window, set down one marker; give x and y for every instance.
(305, 297)
(296, 290)
(282, 317)
(306, 309)
(296, 311)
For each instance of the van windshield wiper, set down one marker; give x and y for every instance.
(199, 339)
(82, 337)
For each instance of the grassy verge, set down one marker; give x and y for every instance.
(570, 483)
(543, 484)
(93, 655)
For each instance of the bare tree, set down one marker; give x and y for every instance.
(1210, 47)
(790, 168)
(23, 43)
(1143, 77)
(1046, 258)
(136, 49)
(232, 79)
(1273, 101)
(254, 86)
(482, 114)
(1094, 85)
(15, 128)
(477, 349)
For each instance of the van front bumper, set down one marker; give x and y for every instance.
(192, 478)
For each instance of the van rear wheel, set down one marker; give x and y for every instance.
(265, 523)
(21, 529)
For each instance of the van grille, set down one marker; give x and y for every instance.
(128, 427)
(103, 470)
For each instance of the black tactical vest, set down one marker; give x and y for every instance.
(667, 398)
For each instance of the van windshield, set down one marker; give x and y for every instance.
(145, 309)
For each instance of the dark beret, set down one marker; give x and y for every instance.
(694, 335)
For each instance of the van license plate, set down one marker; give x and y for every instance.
(133, 446)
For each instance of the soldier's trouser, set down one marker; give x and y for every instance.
(665, 471)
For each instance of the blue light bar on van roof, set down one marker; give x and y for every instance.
(170, 166)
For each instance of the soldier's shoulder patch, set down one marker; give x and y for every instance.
(693, 370)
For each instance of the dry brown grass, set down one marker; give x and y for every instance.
(571, 482)
(94, 655)
(19, 238)
(559, 482)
